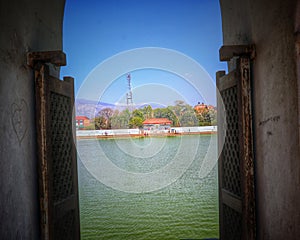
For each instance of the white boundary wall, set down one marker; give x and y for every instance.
(85, 133)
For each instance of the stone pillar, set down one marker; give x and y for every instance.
(25, 26)
(270, 26)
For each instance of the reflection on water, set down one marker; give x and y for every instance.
(186, 209)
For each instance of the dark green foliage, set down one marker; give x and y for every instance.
(181, 114)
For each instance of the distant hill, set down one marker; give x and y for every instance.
(153, 105)
(90, 108)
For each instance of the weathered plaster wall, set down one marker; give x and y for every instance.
(25, 26)
(37, 25)
(270, 26)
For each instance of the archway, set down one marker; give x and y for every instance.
(133, 74)
(38, 27)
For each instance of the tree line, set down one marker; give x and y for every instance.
(181, 115)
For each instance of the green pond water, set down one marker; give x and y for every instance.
(185, 208)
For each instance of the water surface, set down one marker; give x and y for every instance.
(185, 209)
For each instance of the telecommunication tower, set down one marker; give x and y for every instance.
(129, 94)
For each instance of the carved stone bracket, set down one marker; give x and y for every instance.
(227, 52)
(57, 58)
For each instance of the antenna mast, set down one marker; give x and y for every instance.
(129, 94)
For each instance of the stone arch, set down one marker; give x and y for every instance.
(38, 27)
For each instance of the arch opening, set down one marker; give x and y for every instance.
(165, 36)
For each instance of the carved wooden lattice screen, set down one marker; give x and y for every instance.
(236, 161)
(56, 149)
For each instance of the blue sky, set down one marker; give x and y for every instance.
(97, 30)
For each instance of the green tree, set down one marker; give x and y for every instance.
(106, 113)
(166, 113)
(213, 117)
(115, 120)
(185, 114)
(180, 103)
(207, 117)
(180, 108)
(138, 113)
(147, 112)
(188, 119)
(136, 122)
(100, 123)
(90, 127)
(120, 119)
